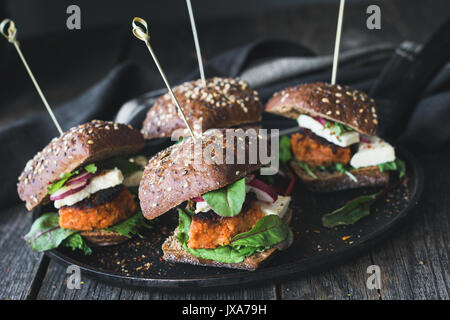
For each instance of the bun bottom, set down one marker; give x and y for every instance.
(103, 238)
(175, 252)
(326, 181)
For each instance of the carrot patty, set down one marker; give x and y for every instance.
(316, 151)
(98, 216)
(209, 230)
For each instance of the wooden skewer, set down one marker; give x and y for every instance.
(11, 36)
(197, 45)
(337, 42)
(142, 34)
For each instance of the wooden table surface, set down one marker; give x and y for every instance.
(414, 261)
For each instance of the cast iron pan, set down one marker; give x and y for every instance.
(138, 262)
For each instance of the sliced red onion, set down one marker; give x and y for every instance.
(281, 173)
(78, 178)
(364, 139)
(321, 120)
(263, 191)
(198, 199)
(67, 191)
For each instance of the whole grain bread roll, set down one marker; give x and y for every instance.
(333, 102)
(178, 173)
(223, 103)
(103, 238)
(89, 142)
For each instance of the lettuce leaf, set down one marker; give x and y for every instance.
(285, 150)
(228, 200)
(75, 241)
(46, 234)
(266, 233)
(130, 226)
(396, 165)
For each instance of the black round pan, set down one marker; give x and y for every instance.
(138, 262)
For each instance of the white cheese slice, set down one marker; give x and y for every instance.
(202, 206)
(372, 153)
(107, 179)
(133, 179)
(344, 140)
(278, 207)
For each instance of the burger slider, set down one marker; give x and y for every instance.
(223, 103)
(336, 148)
(82, 173)
(228, 217)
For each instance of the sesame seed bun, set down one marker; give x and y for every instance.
(90, 142)
(172, 176)
(224, 103)
(333, 102)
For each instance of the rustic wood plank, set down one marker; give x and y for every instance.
(344, 282)
(414, 264)
(54, 287)
(19, 264)
(267, 292)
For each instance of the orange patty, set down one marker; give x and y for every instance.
(209, 233)
(98, 217)
(317, 153)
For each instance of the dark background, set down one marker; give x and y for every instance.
(67, 62)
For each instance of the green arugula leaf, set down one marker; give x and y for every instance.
(396, 165)
(267, 232)
(285, 149)
(337, 128)
(339, 167)
(130, 226)
(227, 201)
(56, 185)
(401, 167)
(46, 234)
(306, 168)
(92, 168)
(123, 164)
(351, 212)
(75, 241)
(184, 222)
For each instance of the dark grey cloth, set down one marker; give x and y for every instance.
(361, 69)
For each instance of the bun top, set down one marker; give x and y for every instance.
(89, 142)
(333, 102)
(179, 173)
(223, 103)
